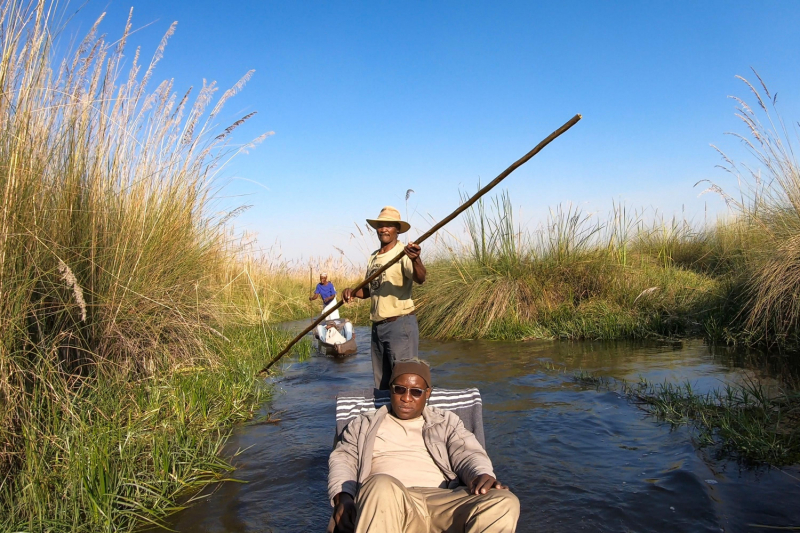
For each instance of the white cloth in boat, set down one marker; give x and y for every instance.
(332, 336)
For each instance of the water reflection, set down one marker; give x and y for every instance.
(578, 458)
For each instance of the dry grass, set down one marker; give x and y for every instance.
(768, 216)
(576, 277)
(123, 305)
(268, 288)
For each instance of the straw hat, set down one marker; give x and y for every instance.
(389, 214)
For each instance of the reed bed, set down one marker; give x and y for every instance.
(268, 288)
(749, 421)
(132, 324)
(109, 453)
(576, 277)
(735, 281)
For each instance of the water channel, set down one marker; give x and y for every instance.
(579, 458)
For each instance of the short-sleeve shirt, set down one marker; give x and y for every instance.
(390, 293)
(326, 291)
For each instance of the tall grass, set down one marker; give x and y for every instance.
(770, 203)
(127, 346)
(268, 288)
(735, 281)
(576, 277)
(107, 454)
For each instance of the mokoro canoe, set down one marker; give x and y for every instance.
(345, 328)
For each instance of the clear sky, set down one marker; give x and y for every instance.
(369, 99)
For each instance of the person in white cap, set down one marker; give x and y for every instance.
(327, 292)
(395, 333)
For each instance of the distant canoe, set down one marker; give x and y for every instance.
(344, 327)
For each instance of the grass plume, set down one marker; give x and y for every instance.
(128, 340)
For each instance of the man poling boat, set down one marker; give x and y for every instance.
(408, 466)
(463, 207)
(395, 333)
(335, 336)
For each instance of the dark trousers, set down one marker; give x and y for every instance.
(393, 341)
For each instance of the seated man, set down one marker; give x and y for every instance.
(411, 468)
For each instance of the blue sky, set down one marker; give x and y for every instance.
(369, 99)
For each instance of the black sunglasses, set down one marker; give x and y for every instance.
(400, 390)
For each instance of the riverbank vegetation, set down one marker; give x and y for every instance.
(575, 278)
(131, 323)
(274, 290)
(734, 281)
(110, 450)
(749, 421)
(133, 319)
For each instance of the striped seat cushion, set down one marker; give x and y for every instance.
(466, 403)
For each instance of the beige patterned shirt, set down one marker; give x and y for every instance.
(390, 293)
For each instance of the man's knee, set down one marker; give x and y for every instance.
(507, 499)
(503, 501)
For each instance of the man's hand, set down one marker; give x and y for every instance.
(484, 482)
(344, 512)
(350, 294)
(412, 251)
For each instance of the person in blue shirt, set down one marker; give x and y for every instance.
(325, 290)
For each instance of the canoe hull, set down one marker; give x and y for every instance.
(337, 350)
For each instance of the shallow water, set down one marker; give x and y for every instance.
(577, 457)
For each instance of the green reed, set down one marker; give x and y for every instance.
(575, 277)
(745, 420)
(108, 453)
(132, 325)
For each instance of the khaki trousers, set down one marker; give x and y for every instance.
(386, 506)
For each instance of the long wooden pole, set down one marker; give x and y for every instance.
(463, 207)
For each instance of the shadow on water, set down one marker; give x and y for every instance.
(578, 458)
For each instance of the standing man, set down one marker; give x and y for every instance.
(395, 333)
(327, 292)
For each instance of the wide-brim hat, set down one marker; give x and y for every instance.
(389, 214)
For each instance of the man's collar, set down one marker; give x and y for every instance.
(432, 416)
